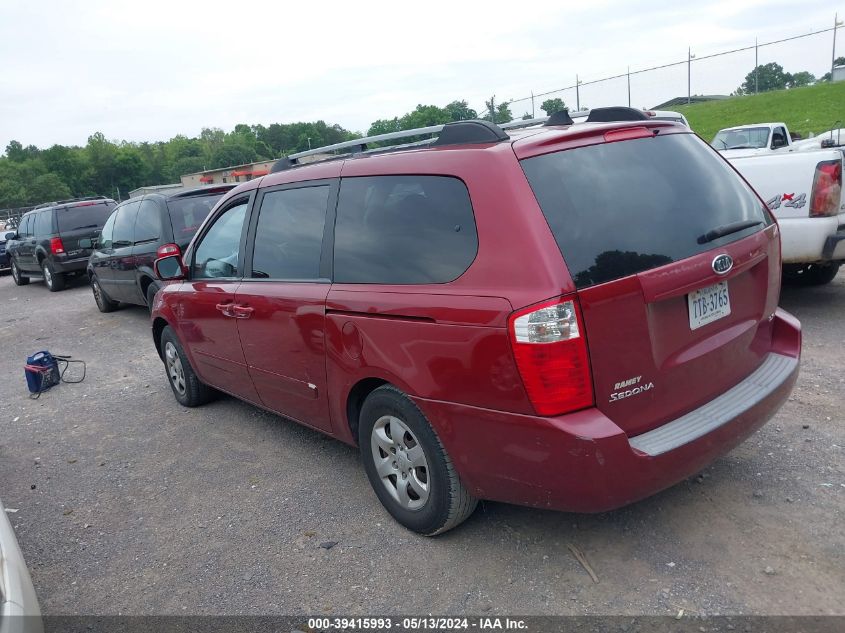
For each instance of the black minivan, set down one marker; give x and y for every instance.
(138, 232)
(54, 239)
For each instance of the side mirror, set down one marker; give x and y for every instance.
(170, 268)
(86, 242)
(10, 235)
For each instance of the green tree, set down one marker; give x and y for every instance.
(802, 78)
(503, 112)
(550, 106)
(48, 187)
(18, 153)
(764, 78)
(384, 126)
(460, 111)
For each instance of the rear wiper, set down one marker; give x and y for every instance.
(727, 229)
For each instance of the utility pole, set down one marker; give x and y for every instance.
(629, 86)
(577, 94)
(836, 23)
(309, 142)
(756, 69)
(533, 116)
(690, 57)
(493, 109)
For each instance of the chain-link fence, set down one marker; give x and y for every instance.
(702, 74)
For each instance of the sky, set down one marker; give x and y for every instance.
(148, 71)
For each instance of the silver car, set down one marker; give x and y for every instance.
(17, 596)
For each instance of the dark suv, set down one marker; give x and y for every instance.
(569, 316)
(137, 232)
(53, 240)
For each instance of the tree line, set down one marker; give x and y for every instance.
(30, 175)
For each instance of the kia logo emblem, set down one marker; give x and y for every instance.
(722, 264)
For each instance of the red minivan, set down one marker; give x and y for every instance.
(562, 316)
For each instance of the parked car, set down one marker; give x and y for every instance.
(569, 317)
(804, 191)
(139, 230)
(47, 241)
(5, 236)
(19, 611)
(753, 140)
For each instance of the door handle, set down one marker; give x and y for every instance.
(242, 312)
(225, 308)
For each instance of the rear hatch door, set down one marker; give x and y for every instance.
(81, 220)
(677, 266)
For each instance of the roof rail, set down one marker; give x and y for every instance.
(454, 133)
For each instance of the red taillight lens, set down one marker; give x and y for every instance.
(56, 246)
(551, 354)
(827, 189)
(165, 250)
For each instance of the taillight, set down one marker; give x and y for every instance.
(56, 246)
(551, 355)
(827, 189)
(165, 250)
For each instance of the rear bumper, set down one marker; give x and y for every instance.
(583, 462)
(810, 240)
(70, 265)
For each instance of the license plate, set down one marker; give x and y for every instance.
(708, 304)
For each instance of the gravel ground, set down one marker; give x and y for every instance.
(130, 504)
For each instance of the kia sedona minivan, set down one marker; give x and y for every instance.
(565, 316)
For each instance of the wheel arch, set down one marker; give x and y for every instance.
(355, 400)
(159, 323)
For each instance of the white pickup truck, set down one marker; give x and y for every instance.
(753, 140)
(804, 192)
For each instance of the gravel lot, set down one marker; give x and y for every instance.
(128, 503)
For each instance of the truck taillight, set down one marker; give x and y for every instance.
(56, 246)
(165, 250)
(551, 355)
(827, 189)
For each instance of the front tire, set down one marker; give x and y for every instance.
(17, 277)
(407, 466)
(186, 385)
(104, 303)
(54, 281)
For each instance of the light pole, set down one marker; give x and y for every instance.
(577, 94)
(836, 23)
(690, 57)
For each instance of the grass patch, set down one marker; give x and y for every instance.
(804, 110)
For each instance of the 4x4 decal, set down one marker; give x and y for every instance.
(788, 200)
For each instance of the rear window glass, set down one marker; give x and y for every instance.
(188, 213)
(88, 216)
(403, 230)
(621, 208)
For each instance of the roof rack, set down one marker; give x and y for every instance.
(454, 133)
(68, 201)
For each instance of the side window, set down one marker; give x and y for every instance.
(105, 241)
(124, 225)
(44, 223)
(290, 234)
(26, 222)
(148, 224)
(403, 230)
(217, 253)
(778, 137)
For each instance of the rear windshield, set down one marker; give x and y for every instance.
(620, 208)
(187, 213)
(86, 216)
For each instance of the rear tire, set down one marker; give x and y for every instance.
(189, 390)
(811, 274)
(17, 277)
(54, 281)
(104, 303)
(407, 466)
